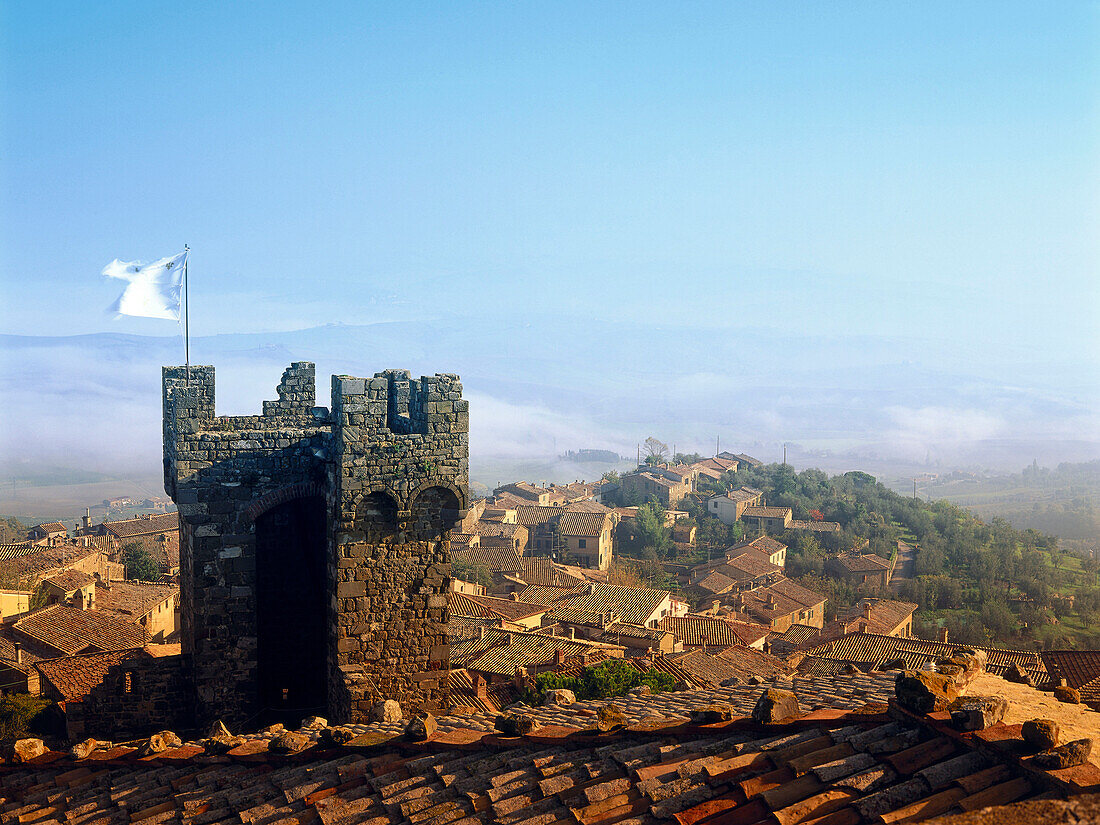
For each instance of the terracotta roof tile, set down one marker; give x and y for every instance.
(70, 630)
(73, 677)
(132, 599)
(873, 649)
(766, 512)
(695, 631)
(629, 604)
(143, 525)
(70, 580)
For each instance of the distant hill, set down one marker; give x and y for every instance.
(1064, 501)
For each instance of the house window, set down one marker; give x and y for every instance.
(582, 543)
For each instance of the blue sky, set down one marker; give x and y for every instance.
(902, 195)
(868, 166)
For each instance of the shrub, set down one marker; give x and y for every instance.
(21, 713)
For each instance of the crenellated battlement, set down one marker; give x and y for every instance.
(311, 533)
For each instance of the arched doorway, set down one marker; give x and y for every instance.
(291, 641)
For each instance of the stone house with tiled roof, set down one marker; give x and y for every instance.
(75, 585)
(47, 533)
(713, 633)
(587, 538)
(648, 483)
(863, 570)
(157, 534)
(65, 631)
(588, 603)
(522, 615)
(85, 554)
(527, 492)
(770, 519)
(780, 605)
(140, 689)
(775, 551)
(887, 617)
(730, 507)
(738, 662)
(498, 653)
(815, 526)
(867, 650)
(499, 534)
(152, 605)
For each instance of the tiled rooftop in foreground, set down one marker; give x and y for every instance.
(854, 760)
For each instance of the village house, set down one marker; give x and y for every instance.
(520, 615)
(714, 632)
(48, 533)
(498, 654)
(885, 617)
(151, 605)
(769, 519)
(587, 538)
(870, 650)
(815, 526)
(528, 493)
(638, 641)
(780, 605)
(742, 459)
(772, 550)
(158, 534)
(650, 483)
(578, 491)
(729, 507)
(501, 534)
(73, 586)
(864, 571)
(63, 630)
(604, 603)
(85, 554)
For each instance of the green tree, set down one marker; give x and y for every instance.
(139, 565)
(649, 525)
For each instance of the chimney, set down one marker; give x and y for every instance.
(481, 686)
(481, 631)
(867, 611)
(18, 652)
(943, 635)
(559, 657)
(572, 633)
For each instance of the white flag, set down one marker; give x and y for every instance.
(153, 290)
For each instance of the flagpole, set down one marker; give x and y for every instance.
(186, 316)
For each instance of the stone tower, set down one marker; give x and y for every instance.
(313, 542)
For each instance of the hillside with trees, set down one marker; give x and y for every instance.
(986, 581)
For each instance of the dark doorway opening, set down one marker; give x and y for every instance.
(290, 610)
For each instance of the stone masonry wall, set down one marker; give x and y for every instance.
(390, 461)
(399, 480)
(140, 695)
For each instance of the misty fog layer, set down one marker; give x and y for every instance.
(93, 402)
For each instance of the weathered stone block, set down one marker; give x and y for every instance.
(1066, 694)
(977, 712)
(1041, 734)
(1069, 755)
(712, 713)
(775, 705)
(609, 718)
(921, 691)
